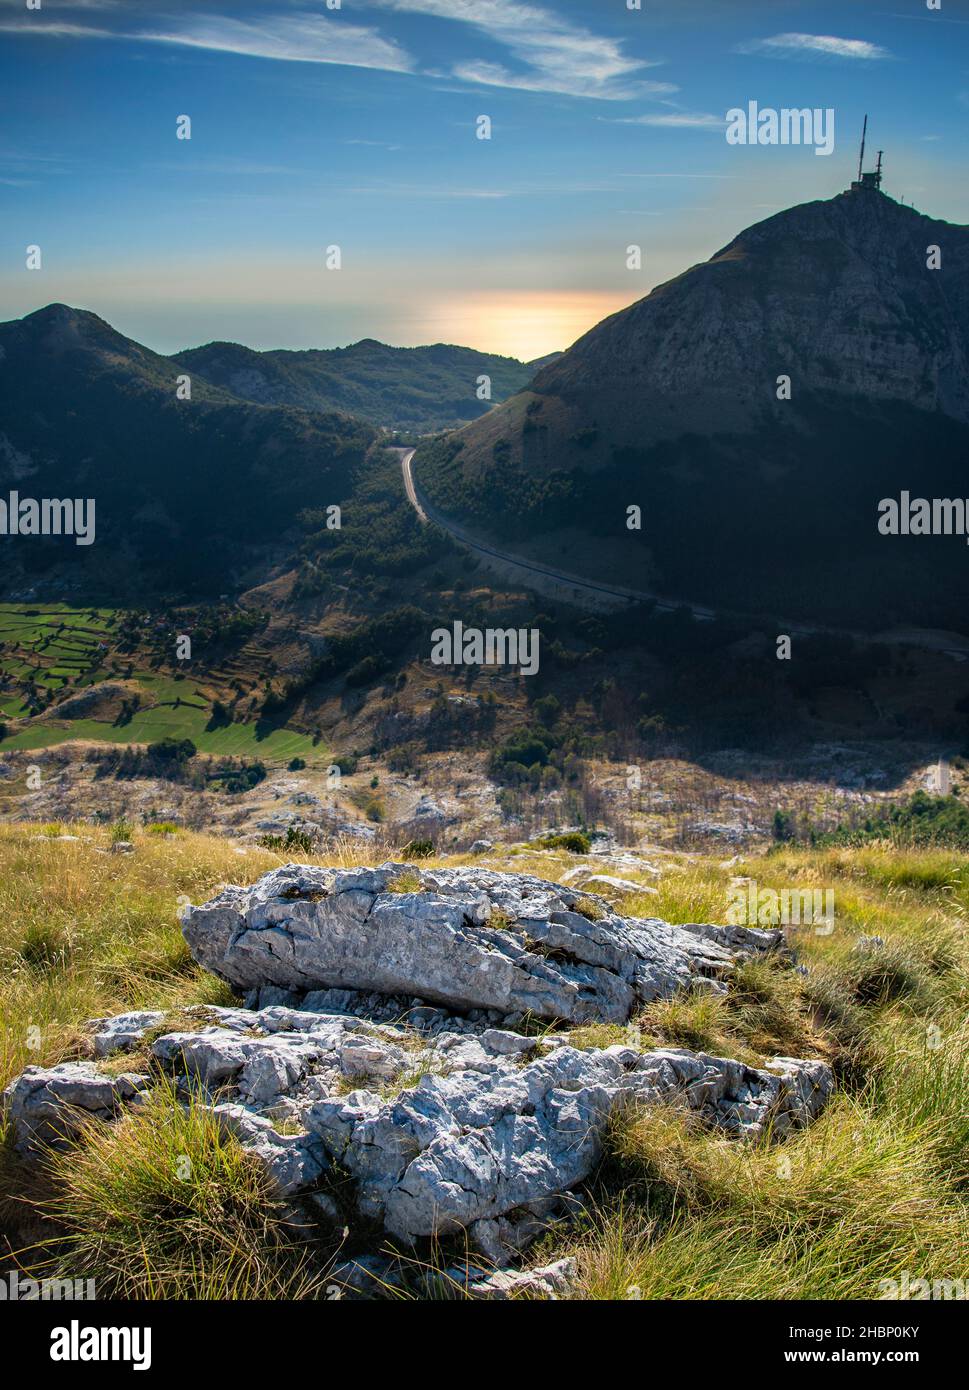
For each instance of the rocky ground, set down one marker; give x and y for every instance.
(728, 802)
(415, 1029)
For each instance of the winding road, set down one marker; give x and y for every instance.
(585, 593)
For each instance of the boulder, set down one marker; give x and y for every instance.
(480, 1130)
(475, 1145)
(46, 1106)
(466, 938)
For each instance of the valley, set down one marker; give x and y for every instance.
(484, 672)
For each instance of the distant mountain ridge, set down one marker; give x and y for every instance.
(675, 405)
(187, 492)
(420, 388)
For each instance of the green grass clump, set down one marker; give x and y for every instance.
(404, 883)
(575, 841)
(163, 1205)
(121, 831)
(590, 908)
(878, 974)
(162, 827)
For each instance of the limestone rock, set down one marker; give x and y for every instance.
(550, 1281)
(472, 1146)
(47, 1105)
(114, 1034)
(496, 1131)
(467, 938)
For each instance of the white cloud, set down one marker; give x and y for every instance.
(53, 31)
(814, 46)
(546, 50)
(555, 54)
(289, 38)
(296, 38)
(678, 120)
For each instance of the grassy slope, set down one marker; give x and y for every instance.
(148, 726)
(877, 1186)
(73, 654)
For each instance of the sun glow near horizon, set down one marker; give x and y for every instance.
(523, 324)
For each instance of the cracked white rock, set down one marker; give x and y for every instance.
(496, 1131)
(47, 1105)
(551, 1281)
(467, 938)
(476, 1145)
(113, 1034)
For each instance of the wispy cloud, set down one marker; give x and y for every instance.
(289, 38)
(813, 46)
(296, 38)
(55, 30)
(677, 120)
(554, 54)
(544, 49)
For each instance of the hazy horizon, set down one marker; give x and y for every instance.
(356, 127)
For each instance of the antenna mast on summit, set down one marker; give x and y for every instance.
(861, 157)
(872, 181)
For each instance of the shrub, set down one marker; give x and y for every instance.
(575, 841)
(172, 750)
(303, 841)
(418, 849)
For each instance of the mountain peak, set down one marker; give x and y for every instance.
(62, 313)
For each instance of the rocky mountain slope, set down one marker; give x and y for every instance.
(672, 405)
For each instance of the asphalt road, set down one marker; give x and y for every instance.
(542, 576)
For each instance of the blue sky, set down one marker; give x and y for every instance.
(355, 126)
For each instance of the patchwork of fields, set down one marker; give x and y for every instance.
(51, 646)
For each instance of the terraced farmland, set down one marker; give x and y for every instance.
(51, 646)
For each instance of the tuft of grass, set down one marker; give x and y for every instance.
(766, 1003)
(696, 1019)
(878, 974)
(404, 883)
(162, 827)
(589, 908)
(853, 1200)
(162, 1204)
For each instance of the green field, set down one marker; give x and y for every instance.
(148, 726)
(51, 644)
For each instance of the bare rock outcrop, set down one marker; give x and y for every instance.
(468, 938)
(379, 1051)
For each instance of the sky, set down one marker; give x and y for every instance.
(354, 123)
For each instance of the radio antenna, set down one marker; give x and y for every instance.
(861, 157)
